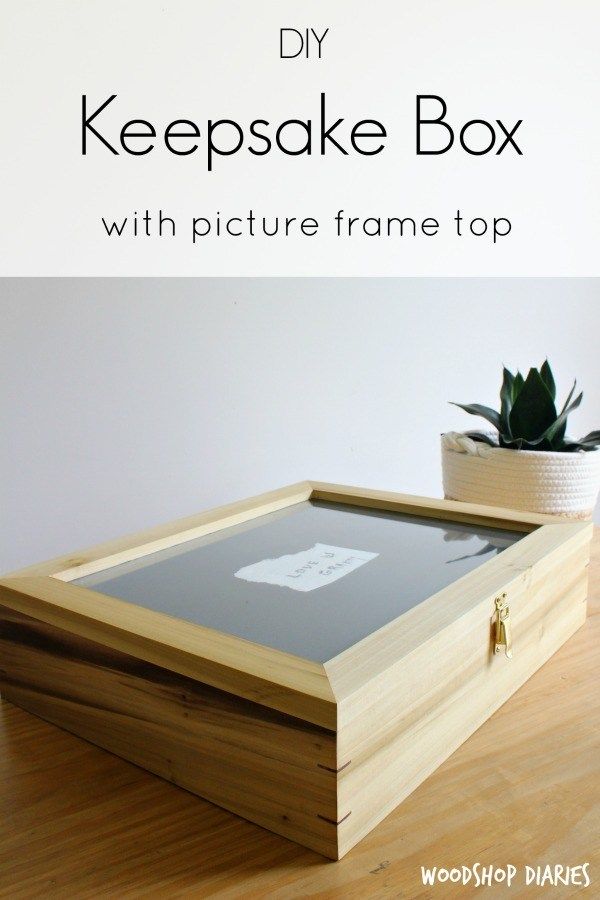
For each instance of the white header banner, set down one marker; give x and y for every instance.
(341, 137)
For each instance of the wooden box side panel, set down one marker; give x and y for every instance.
(275, 770)
(443, 693)
(444, 663)
(290, 684)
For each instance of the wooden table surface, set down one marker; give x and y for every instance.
(76, 821)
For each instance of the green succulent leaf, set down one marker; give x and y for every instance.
(568, 400)
(518, 385)
(528, 419)
(506, 441)
(556, 432)
(574, 447)
(592, 438)
(533, 411)
(548, 378)
(559, 438)
(591, 441)
(508, 379)
(506, 400)
(482, 438)
(552, 437)
(512, 443)
(476, 409)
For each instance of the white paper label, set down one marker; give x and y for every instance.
(307, 569)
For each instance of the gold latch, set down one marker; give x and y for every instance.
(503, 630)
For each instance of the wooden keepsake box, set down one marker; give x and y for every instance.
(304, 659)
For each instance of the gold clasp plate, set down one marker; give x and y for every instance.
(503, 629)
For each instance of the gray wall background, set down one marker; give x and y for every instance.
(127, 402)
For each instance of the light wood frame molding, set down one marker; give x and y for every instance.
(271, 677)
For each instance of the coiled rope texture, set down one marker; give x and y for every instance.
(563, 484)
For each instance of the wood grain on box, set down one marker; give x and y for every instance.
(318, 753)
(236, 753)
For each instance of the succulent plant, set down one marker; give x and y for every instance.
(528, 419)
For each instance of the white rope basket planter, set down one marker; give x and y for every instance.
(564, 484)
